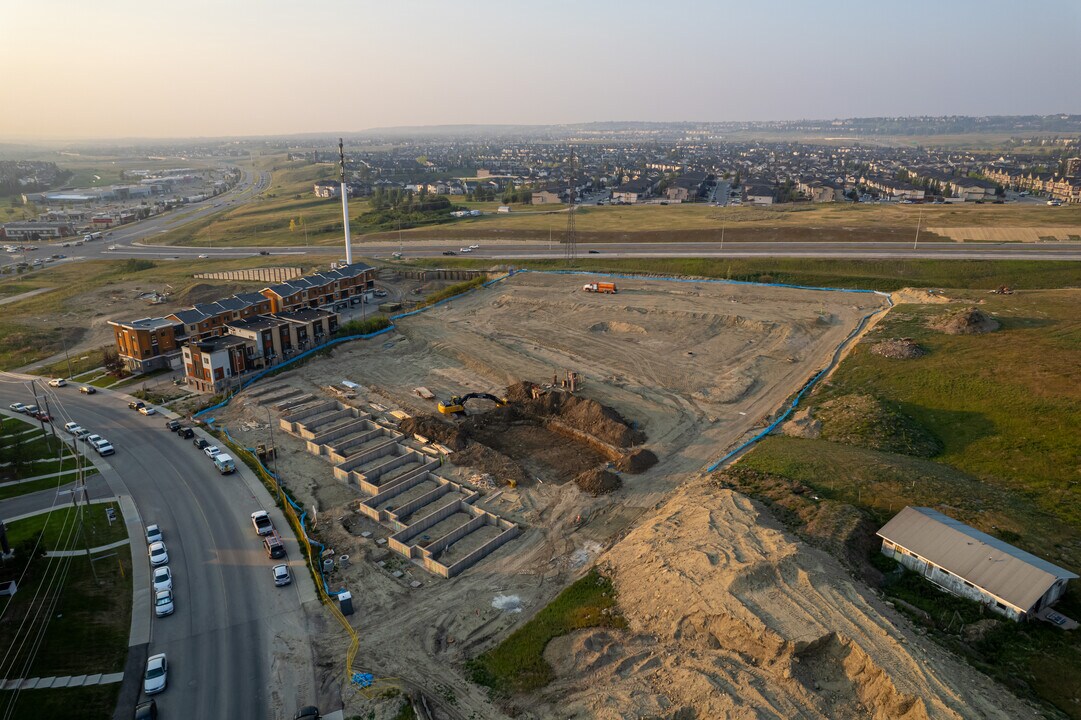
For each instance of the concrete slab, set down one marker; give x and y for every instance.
(31, 683)
(77, 681)
(44, 683)
(110, 678)
(92, 679)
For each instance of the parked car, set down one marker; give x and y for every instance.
(185, 432)
(158, 554)
(274, 546)
(147, 710)
(92, 440)
(17, 407)
(87, 389)
(260, 519)
(71, 426)
(104, 447)
(136, 404)
(58, 382)
(173, 425)
(146, 410)
(281, 575)
(30, 409)
(163, 578)
(200, 443)
(153, 534)
(211, 450)
(43, 416)
(157, 669)
(163, 603)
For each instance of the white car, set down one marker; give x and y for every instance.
(153, 534)
(281, 575)
(474, 247)
(163, 603)
(261, 520)
(72, 426)
(104, 448)
(92, 439)
(58, 382)
(211, 451)
(146, 410)
(157, 669)
(17, 407)
(158, 554)
(465, 249)
(163, 578)
(203, 257)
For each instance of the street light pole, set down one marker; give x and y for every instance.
(64, 341)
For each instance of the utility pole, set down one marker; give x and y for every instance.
(64, 341)
(918, 222)
(34, 389)
(274, 450)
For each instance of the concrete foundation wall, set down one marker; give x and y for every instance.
(368, 480)
(320, 444)
(327, 422)
(359, 460)
(399, 541)
(293, 421)
(295, 402)
(360, 442)
(433, 548)
(370, 507)
(407, 509)
(449, 571)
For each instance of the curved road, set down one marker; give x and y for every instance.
(221, 640)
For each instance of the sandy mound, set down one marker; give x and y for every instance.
(970, 321)
(899, 349)
(617, 327)
(637, 461)
(866, 421)
(598, 482)
(730, 618)
(802, 425)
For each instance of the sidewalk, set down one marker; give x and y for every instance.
(98, 549)
(66, 681)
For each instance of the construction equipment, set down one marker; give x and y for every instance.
(456, 406)
(600, 287)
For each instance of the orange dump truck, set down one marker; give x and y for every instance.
(600, 287)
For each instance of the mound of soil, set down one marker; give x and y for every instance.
(637, 461)
(970, 321)
(582, 414)
(865, 421)
(598, 481)
(432, 427)
(899, 349)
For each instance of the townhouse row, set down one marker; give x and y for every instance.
(218, 343)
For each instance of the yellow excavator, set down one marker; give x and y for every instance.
(456, 406)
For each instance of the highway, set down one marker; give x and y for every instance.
(538, 250)
(229, 616)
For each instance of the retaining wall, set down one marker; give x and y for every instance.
(310, 430)
(294, 421)
(267, 275)
(474, 557)
(319, 445)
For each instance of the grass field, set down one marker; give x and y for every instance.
(96, 702)
(1003, 408)
(883, 275)
(86, 630)
(48, 483)
(56, 527)
(29, 454)
(517, 664)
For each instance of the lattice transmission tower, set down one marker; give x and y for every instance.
(570, 238)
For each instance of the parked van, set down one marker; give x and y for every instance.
(224, 463)
(274, 546)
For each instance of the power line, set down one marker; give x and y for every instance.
(571, 236)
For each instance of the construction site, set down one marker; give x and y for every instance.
(466, 466)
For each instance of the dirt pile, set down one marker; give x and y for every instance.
(582, 414)
(486, 460)
(970, 321)
(637, 461)
(899, 349)
(738, 620)
(865, 421)
(598, 482)
(433, 428)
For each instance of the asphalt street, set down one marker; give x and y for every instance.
(228, 612)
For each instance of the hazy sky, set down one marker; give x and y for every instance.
(128, 68)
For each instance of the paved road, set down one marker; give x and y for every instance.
(229, 613)
(540, 250)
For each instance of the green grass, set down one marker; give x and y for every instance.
(518, 665)
(366, 326)
(95, 702)
(25, 488)
(452, 290)
(89, 624)
(1003, 408)
(56, 527)
(78, 365)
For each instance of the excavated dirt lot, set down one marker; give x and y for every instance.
(729, 616)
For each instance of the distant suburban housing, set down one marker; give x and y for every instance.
(327, 189)
(218, 342)
(634, 191)
(973, 564)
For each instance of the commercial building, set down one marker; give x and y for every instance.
(33, 230)
(972, 564)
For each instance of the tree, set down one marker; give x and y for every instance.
(112, 362)
(292, 225)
